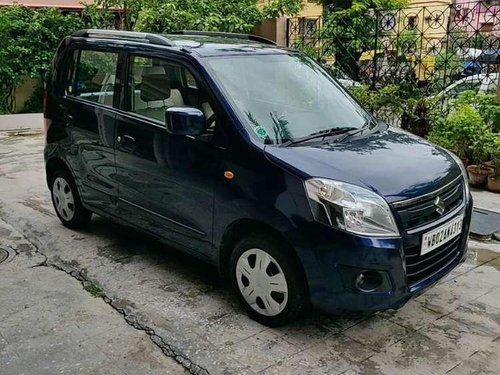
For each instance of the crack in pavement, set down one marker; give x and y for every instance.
(131, 319)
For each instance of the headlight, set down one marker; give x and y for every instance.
(464, 173)
(350, 208)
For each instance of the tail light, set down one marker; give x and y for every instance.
(45, 104)
(46, 120)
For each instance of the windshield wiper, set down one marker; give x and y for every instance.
(350, 134)
(320, 134)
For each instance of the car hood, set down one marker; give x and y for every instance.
(396, 164)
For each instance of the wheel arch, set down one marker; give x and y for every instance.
(243, 227)
(55, 164)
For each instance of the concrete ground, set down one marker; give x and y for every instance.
(22, 121)
(193, 319)
(485, 199)
(50, 324)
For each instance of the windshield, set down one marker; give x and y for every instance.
(285, 97)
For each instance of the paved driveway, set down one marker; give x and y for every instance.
(452, 328)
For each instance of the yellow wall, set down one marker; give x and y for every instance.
(276, 29)
(23, 92)
(311, 10)
(434, 30)
(431, 20)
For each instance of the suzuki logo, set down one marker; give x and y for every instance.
(440, 207)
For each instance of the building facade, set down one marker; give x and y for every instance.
(61, 4)
(478, 15)
(276, 29)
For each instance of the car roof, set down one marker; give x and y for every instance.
(478, 77)
(482, 77)
(205, 45)
(201, 43)
(474, 78)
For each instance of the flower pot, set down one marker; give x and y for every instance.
(490, 164)
(478, 175)
(493, 184)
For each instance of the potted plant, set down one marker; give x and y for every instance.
(481, 149)
(478, 174)
(465, 132)
(493, 183)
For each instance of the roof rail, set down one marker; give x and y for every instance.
(125, 35)
(221, 34)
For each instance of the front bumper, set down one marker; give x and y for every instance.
(332, 252)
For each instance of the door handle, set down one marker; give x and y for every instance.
(125, 139)
(68, 119)
(65, 113)
(128, 139)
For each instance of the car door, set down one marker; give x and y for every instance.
(165, 182)
(87, 109)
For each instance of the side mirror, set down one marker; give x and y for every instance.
(185, 121)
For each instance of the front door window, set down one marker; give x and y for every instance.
(156, 85)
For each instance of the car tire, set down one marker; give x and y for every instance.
(67, 202)
(255, 266)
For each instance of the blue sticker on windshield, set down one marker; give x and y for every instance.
(260, 131)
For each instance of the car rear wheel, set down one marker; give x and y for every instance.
(67, 202)
(268, 280)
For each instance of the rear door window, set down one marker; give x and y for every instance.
(92, 76)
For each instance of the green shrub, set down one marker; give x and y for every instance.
(486, 105)
(465, 132)
(417, 116)
(387, 103)
(495, 156)
(397, 105)
(447, 69)
(28, 40)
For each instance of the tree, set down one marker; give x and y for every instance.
(107, 14)
(214, 15)
(28, 39)
(169, 15)
(352, 27)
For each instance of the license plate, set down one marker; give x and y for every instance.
(439, 236)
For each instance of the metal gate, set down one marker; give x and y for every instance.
(427, 47)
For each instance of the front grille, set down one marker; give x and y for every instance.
(420, 267)
(419, 211)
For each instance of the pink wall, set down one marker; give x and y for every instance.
(474, 15)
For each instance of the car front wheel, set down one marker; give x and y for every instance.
(268, 280)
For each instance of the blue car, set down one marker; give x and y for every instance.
(252, 158)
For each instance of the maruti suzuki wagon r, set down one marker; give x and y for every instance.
(252, 158)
